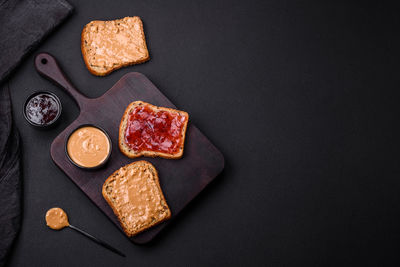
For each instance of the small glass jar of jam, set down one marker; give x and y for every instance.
(42, 109)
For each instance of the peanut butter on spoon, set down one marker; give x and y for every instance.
(57, 219)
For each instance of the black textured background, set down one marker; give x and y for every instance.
(301, 97)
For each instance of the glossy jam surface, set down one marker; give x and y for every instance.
(42, 109)
(159, 131)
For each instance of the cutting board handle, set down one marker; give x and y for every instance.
(48, 67)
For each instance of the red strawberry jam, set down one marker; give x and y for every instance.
(42, 109)
(154, 130)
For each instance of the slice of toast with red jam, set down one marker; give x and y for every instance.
(151, 131)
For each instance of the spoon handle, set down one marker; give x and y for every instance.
(98, 241)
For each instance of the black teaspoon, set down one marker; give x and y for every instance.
(57, 219)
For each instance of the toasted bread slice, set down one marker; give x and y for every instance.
(135, 195)
(151, 132)
(110, 45)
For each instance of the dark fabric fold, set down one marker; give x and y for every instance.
(23, 25)
(10, 180)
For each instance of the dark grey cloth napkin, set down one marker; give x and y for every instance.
(23, 25)
(10, 180)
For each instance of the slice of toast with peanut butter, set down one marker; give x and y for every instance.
(135, 195)
(109, 45)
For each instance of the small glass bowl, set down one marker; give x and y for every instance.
(48, 124)
(83, 167)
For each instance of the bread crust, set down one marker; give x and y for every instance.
(111, 204)
(106, 72)
(132, 154)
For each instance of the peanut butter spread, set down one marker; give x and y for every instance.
(56, 219)
(88, 146)
(116, 42)
(137, 196)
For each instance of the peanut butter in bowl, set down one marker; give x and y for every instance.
(88, 147)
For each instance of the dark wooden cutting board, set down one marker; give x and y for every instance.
(181, 180)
